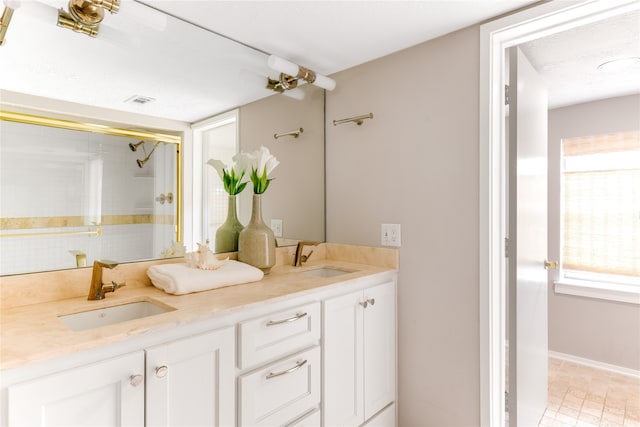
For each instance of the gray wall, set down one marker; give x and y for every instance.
(296, 195)
(416, 163)
(600, 330)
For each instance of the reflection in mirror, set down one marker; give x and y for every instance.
(134, 58)
(295, 198)
(71, 195)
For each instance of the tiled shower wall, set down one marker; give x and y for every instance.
(58, 180)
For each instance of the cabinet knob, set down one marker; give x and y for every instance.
(161, 371)
(136, 380)
(368, 302)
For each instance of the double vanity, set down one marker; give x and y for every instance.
(313, 345)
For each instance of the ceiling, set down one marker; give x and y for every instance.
(568, 61)
(193, 73)
(330, 36)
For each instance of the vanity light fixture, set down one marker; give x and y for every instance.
(291, 73)
(5, 19)
(84, 16)
(287, 86)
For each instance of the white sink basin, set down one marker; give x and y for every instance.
(112, 315)
(326, 272)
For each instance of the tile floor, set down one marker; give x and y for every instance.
(588, 397)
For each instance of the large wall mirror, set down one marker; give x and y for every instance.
(75, 192)
(186, 74)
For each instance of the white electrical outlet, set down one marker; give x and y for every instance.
(390, 235)
(276, 227)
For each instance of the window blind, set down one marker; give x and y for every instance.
(601, 204)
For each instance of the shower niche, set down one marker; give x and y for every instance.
(71, 193)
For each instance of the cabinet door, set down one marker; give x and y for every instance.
(379, 348)
(343, 352)
(190, 382)
(108, 393)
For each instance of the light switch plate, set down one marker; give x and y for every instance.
(276, 227)
(390, 235)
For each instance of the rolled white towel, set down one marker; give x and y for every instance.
(179, 279)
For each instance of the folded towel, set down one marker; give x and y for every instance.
(179, 279)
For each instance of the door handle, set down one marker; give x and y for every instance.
(550, 265)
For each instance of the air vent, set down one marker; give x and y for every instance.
(139, 99)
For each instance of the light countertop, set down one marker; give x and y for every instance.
(32, 332)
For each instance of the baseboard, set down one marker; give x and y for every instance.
(595, 364)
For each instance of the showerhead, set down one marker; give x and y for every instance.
(141, 162)
(135, 146)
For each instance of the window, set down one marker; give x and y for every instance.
(601, 208)
(214, 138)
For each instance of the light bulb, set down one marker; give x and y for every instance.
(283, 65)
(324, 82)
(12, 4)
(296, 93)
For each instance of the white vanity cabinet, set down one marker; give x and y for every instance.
(191, 381)
(285, 389)
(275, 335)
(359, 350)
(281, 392)
(186, 382)
(319, 357)
(106, 393)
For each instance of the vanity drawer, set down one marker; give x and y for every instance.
(278, 334)
(282, 392)
(310, 419)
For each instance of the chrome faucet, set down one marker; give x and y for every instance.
(299, 258)
(99, 289)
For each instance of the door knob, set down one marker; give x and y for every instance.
(550, 265)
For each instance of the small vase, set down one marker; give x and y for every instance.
(257, 244)
(227, 234)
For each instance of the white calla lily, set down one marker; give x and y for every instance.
(262, 163)
(218, 166)
(231, 177)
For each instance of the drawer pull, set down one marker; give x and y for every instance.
(298, 316)
(288, 371)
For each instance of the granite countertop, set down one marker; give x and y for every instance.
(32, 333)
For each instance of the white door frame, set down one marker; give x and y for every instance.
(495, 37)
